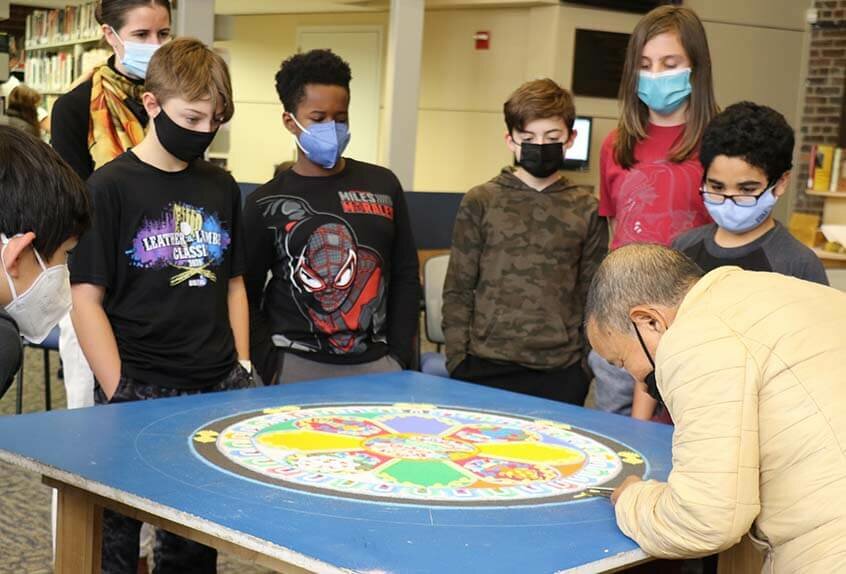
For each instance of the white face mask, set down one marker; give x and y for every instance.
(38, 309)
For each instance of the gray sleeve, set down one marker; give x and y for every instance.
(812, 269)
(789, 257)
(10, 352)
(692, 237)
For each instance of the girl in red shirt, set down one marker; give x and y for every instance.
(649, 168)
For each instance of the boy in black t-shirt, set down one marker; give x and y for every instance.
(343, 297)
(160, 306)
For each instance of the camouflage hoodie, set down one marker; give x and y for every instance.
(520, 267)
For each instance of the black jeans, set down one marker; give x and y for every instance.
(567, 385)
(172, 554)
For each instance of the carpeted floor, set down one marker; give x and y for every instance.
(25, 539)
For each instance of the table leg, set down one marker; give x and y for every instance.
(79, 530)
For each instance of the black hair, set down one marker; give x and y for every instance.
(39, 192)
(758, 135)
(113, 12)
(314, 67)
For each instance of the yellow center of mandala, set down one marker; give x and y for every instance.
(413, 446)
(419, 447)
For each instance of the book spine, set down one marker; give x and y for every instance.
(812, 166)
(835, 171)
(822, 175)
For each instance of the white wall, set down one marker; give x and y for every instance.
(756, 45)
(463, 90)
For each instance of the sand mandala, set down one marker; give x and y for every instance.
(416, 454)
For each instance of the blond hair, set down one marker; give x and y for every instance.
(188, 69)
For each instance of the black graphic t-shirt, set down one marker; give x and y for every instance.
(344, 285)
(165, 245)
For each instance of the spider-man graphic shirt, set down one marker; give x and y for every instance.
(164, 246)
(343, 282)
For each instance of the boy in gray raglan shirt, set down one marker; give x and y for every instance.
(747, 152)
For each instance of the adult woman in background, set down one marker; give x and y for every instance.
(103, 117)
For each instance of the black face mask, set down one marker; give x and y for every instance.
(181, 143)
(541, 160)
(651, 383)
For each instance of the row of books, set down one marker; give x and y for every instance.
(61, 25)
(56, 72)
(826, 171)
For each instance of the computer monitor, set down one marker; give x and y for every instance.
(578, 156)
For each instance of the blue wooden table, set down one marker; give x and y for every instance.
(155, 460)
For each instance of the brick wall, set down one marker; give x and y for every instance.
(824, 87)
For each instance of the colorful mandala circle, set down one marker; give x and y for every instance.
(417, 454)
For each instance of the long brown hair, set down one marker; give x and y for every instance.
(702, 105)
(23, 101)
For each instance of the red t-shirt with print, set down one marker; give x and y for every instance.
(655, 200)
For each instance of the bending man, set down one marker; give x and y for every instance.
(750, 367)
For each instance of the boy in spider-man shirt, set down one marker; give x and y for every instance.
(343, 297)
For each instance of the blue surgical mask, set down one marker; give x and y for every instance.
(323, 143)
(739, 218)
(136, 57)
(664, 92)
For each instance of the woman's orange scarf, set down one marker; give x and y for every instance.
(113, 128)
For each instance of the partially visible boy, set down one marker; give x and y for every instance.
(525, 247)
(45, 208)
(160, 307)
(746, 153)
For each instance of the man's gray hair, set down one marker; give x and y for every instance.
(638, 274)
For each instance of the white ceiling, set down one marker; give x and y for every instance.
(256, 6)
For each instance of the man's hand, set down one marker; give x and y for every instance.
(626, 483)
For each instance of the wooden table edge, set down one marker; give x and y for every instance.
(245, 546)
(232, 541)
(222, 544)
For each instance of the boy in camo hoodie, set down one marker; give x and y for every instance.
(525, 247)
